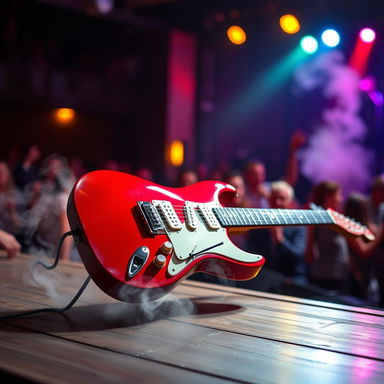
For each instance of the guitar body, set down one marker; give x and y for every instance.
(134, 247)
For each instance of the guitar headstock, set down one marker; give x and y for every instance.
(351, 227)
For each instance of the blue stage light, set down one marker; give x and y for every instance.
(330, 38)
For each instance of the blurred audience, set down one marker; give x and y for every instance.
(186, 177)
(11, 202)
(287, 243)
(361, 252)
(144, 173)
(27, 169)
(327, 251)
(258, 189)
(377, 205)
(33, 217)
(46, 219)
(10, 244)
(235, 178)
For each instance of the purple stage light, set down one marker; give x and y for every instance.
(368, 84)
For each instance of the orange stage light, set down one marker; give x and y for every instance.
(176, 153)
(236, 35)
(64, 115)
(289, 24)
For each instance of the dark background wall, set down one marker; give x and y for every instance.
(113, 71)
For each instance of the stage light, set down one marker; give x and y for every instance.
(236, 35)
(289, 24)
(330, 38)
(176, 153)
(362, 51)
(104, 6)
(368, 84)
(64, 115)
(309, 44)
(368, 35)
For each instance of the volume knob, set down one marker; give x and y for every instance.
(159, 261)
(166, 247)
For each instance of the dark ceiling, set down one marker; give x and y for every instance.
(195, 14)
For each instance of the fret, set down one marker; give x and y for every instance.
(283, 216)
(234, 217)
(314, 217)
(262, 217)
(290, 219)
(258, 218)
(241, 219)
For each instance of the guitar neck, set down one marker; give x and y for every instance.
(254, 217)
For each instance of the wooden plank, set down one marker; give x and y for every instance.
(238, 357)
(50, 359)
(224, 289)
(236, 335)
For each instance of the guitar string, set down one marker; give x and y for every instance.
(181, 210)
(258, 220)
(261, 220)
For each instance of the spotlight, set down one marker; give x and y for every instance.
(289, 24)
(367, 35)
(309, 44)
(330, 38)
(236, 35)
(104, 6)
(64, 115)
(176, 153)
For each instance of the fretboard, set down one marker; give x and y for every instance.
(254, 217)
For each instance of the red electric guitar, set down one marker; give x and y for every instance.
(138, 239)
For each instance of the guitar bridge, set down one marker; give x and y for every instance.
(151, 217)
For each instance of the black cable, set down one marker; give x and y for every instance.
(50, 267)
(57, 255)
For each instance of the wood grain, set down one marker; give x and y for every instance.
(201, 333)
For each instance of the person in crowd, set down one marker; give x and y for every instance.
(46, 218)
(327, 251)
(111, 165)
(77, 166)
(11, 202)
(258, 191)
(377, 199)
(27, 170)
(186, 177)
(377, 205)
(236, 179)
(287, 243)
(361, 252)
(10, 244)
(258, 188)
(144, 173)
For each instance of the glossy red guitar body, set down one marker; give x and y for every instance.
(111, 234)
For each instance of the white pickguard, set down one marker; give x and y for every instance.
(189, 244)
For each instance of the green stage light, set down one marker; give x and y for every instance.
(309, 44)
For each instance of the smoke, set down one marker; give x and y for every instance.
(57, 285)
(335, 150)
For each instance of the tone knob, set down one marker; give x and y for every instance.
(166, 247)
(159, 260)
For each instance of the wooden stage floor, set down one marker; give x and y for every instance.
(201, 333)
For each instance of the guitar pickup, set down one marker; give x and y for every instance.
(152, 217)
(168, 212)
